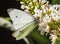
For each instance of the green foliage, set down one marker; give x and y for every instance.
(38, 38)
(55, 1)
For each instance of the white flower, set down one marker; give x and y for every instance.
(55, 7)
(35, 15)
(34, 0)
(44, 1)
(40, 0)
(37, 11)
(21, 2)
(51, 8)
(55, 16)
(53, 38)
(22, 6)
(26, 7)
(26, 10)
(43, 27)
(30, 3)
(44, 8)
(46, 18)
(52, 14)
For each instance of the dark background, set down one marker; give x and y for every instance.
(6, 4)
(5, 34)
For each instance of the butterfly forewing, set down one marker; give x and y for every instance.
(20, 18)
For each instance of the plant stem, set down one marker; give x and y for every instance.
(41, 39)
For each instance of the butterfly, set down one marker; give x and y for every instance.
(23, 23)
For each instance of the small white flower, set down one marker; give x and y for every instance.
(53, 38)
(44, 29)
(51, 8)
(30, 3)
(55, 7)
(26, 7)
(26, 10)
(40, 0)
(44, 8)
(44, 0)
(46, 18)
(42, 25)
(52, 14)
(35, 15)
(41, 11)
(37, 11)
(55, 16)
(34, 0)
(22, 7)
(21, 2)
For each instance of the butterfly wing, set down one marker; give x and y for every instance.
(23, 23)
(20, 18)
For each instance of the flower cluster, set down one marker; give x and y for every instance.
(31, 6)
(48, 15)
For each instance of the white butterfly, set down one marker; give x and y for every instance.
(22, 22)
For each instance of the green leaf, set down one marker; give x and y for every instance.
(21, 34)
(55, 1)
(30, 40)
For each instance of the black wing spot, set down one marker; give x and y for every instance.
(16, 16)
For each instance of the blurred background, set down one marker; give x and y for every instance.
(5, 34)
